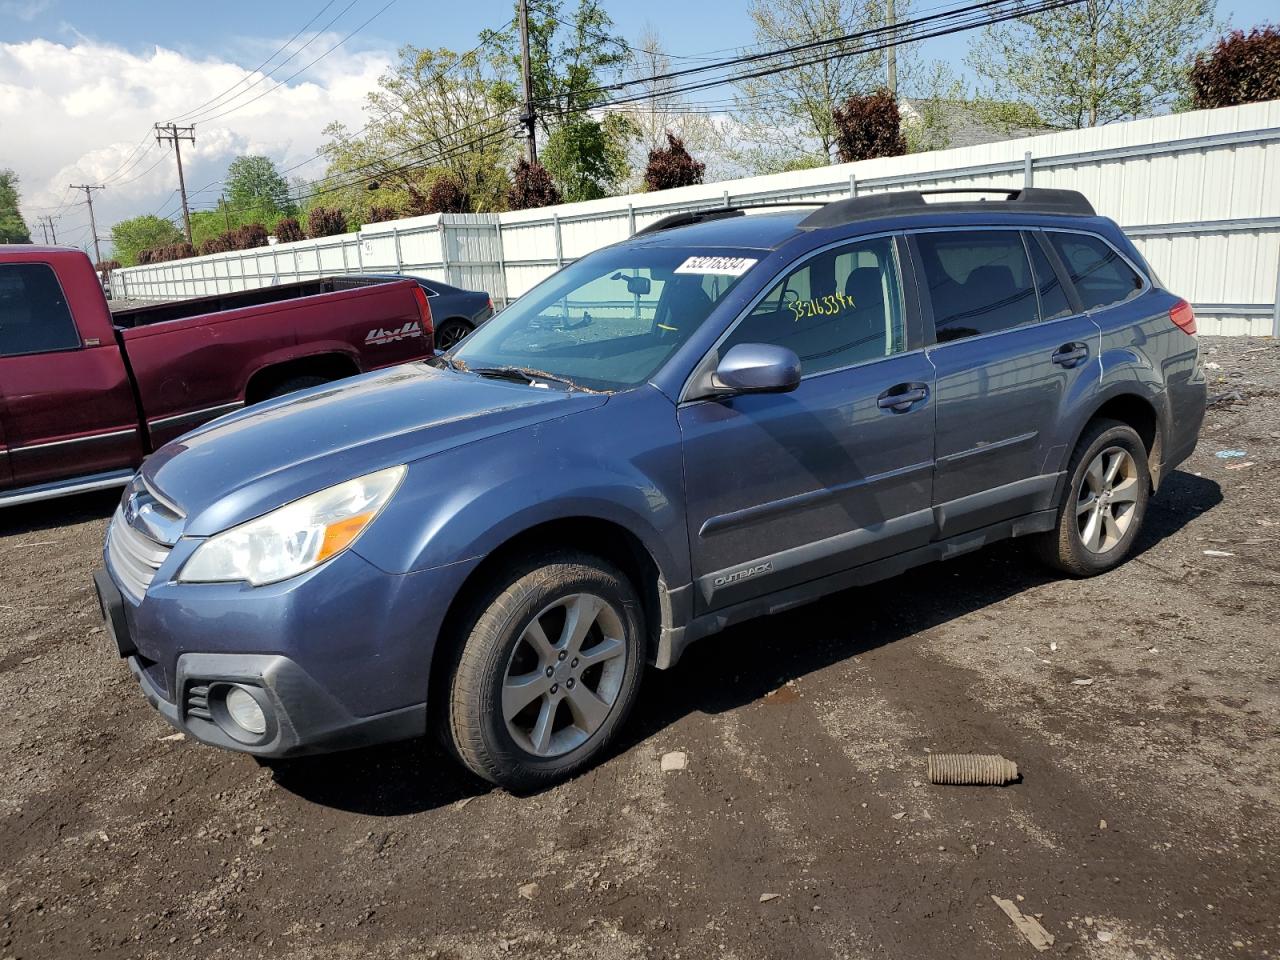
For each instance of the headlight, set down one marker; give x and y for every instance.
(296, 537)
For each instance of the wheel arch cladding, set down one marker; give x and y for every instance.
(590, 535)
(1134, 410)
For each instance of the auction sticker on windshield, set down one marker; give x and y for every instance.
(721, 266)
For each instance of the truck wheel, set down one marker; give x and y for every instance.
(1104, 503)
(293, 385)
(548, 671)
(450, 332)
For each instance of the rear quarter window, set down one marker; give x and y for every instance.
(1100, 275)
(34, 316)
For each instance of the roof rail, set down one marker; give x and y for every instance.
(690, 217)
(871, 206)
(721, 213)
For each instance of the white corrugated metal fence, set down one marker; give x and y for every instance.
(1199, 193)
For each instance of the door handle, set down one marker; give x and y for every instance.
(1070, 354)
(902, 397)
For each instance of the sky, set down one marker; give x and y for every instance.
(82, 82)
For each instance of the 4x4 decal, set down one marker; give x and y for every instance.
(378, 335)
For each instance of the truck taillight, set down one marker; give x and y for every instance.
(1184, 317)
(424, 308)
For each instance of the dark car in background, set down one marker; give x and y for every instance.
(719, 418)
(456, 312)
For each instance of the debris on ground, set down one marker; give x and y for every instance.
(1082, 682)
(766, 897)
(1029, 927)
(1218, 553)
(529, 891)
(1230, 454)
(675, 760)
(173, 737)
(975, 769)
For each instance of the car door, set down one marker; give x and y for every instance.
(786, 488)
(1009, 348)
(68, 407)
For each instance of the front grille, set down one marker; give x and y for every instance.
(133, 558)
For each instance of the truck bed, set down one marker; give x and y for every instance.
(143, 316)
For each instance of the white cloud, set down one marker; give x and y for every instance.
(74, 114)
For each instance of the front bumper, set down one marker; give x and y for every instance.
(301, 717)
(337, 658)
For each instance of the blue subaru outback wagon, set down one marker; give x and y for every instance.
(719, 418)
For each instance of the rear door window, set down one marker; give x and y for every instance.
(978, 282)
(1053, 298)
(1101, 276)
(34, 316)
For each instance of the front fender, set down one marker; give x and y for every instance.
(619, 463)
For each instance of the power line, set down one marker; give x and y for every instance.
(281, 49)
(241, 106)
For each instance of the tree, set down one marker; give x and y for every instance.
(13, 229)
(531, 186)
(256, 192)
(447, 196)
(1096, 62)
(434, 112)
(571, 55)
(587, 158)
(289, 230)
(1241, 68)
(661, 110)
(785, 120)
(148, 232)
(868, 127)
(325, 222)
(672, 167)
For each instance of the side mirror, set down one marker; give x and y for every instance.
(757, 368)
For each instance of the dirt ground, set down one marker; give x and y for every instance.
(1146, 823)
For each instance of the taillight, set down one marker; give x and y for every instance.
(1184, 317)
(424, 309)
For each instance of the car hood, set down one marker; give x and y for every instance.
(245, 464)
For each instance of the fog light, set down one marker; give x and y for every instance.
(244, 710)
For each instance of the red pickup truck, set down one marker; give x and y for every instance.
(85, 395)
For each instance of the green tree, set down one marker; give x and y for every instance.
(435, 112)
(587, 158)
(256, 191)
(571, 55)
(1097, 62)
(785, 120)
(130, 237)
(13, 229)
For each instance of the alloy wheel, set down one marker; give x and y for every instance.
(564, 675)
(1107, 500)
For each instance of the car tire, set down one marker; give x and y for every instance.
(531, 700)
(450, 332)
(293, 385)
(1103, 503)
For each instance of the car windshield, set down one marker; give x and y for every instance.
(610, 320)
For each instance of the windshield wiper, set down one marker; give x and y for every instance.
(522, 375)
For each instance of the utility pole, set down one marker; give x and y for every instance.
(93, 224)
(528, 118)
(44, 230)
(891, 55)
(174, 133)
(226, 211)
(47, 225)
